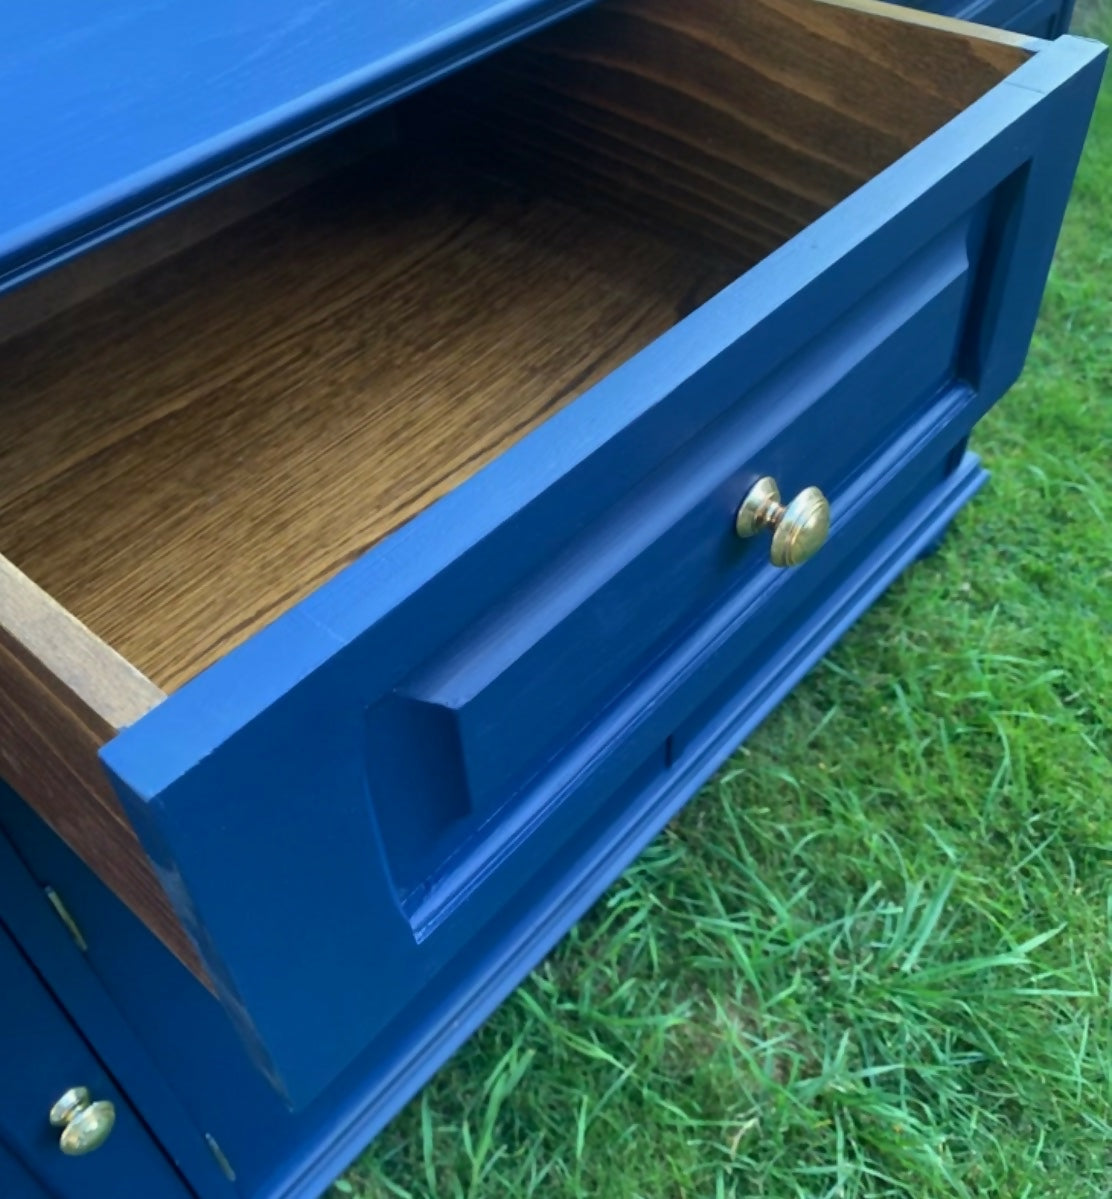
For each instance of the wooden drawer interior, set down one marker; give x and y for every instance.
(194, 449)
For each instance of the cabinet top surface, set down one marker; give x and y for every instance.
(120, 109)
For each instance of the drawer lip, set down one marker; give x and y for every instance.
(191, 723)
(169, 159)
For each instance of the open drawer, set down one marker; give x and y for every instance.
(360, 541)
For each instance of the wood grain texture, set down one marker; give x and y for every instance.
(190, 455)
(983, 35)
(64, 694)
(738, 123)
(106, 690)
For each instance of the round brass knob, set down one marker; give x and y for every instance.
(798, 528)
(85, 1125)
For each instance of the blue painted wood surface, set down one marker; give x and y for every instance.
(43, 1056)
(1039, 18)
(167, 1040)
(280, 1154)
(298, 847)
(111, 112)
(114, 112)
(364, 909)
(32, 858)
(15, 1179)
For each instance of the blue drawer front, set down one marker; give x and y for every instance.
(571, 639)
(333, 871)
(276, 1152)
(43, 1057)
(17, 1183)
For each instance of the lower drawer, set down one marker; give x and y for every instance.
(373, 550)
(96, 1145)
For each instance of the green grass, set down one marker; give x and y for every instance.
(874, 956)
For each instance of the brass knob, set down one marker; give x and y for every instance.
(798, 528)
(85, 1125)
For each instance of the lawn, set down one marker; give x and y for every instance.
(874, 956)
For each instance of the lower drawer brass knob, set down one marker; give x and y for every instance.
(85, 1125)
(798, 528)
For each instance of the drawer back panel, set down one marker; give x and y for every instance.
(731, 125)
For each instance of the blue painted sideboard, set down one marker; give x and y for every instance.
(431, 439)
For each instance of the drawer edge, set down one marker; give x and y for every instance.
(65, 694)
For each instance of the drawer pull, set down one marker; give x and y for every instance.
(85, 1125)
(798, 528)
